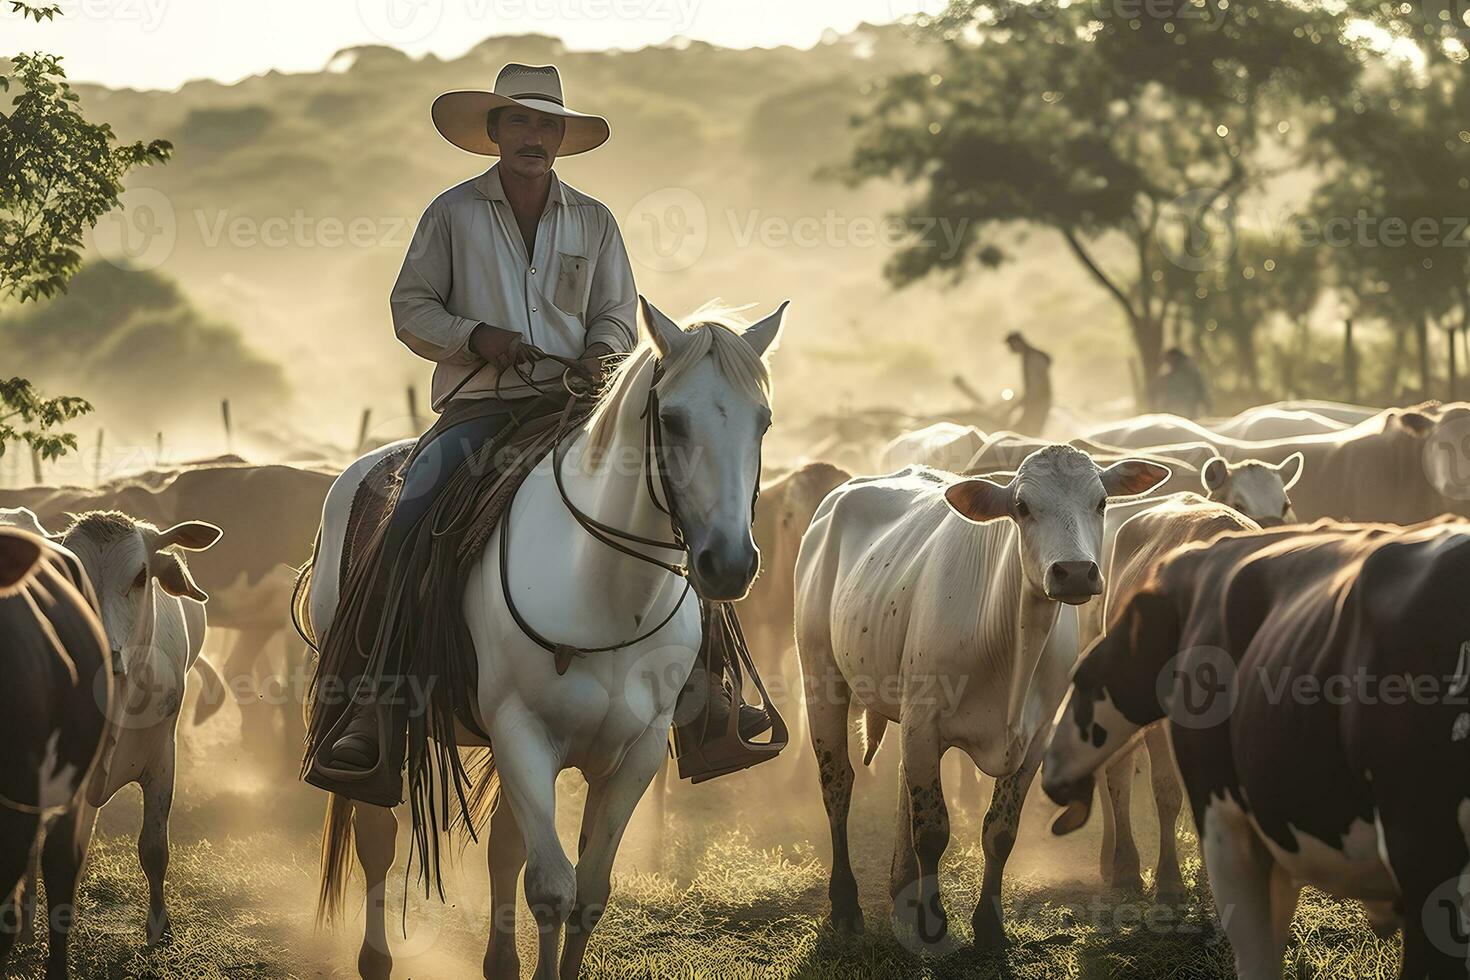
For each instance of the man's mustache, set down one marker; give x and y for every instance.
(532, 153)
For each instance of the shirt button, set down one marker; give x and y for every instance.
(533, 309)
(533, 271)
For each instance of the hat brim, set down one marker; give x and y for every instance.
(460, 118)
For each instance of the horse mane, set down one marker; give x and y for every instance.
(714, 329)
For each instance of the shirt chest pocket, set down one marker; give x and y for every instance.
(569, 293)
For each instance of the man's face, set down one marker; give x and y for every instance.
(529, 140)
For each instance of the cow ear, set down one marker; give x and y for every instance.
(1215, 473)
(190, 535)
(173, 575)
(979, 500)
(19, 553)
(1133, 477)
(1417, 423)
(1290, 469)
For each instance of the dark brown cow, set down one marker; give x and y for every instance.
(54, 701)
(1315, 681)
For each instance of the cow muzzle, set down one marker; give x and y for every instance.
(1073, 582)
(1075, 797)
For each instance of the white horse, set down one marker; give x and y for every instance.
(609, 714)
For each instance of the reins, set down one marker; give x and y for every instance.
(607, 535)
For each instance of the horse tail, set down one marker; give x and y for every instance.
(336, 859)
(874, 725)
(483, 794)
(301, 596)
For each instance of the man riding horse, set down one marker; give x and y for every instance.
(513, 282)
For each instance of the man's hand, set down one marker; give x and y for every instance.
(592, 363)
(499, 347)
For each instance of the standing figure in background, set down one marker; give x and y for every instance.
(1180, 388)
(1029, 415)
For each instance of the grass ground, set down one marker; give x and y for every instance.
(729, 890)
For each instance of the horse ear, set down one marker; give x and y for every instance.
(663, 332)
(764, 337)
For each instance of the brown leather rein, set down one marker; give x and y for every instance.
(612, 537)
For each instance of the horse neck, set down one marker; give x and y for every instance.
(616, 492)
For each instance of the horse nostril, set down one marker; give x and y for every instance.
(704, 562)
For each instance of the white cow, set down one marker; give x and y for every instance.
(1273, 422)
(943, 624)
(943, 445)
(152, 612)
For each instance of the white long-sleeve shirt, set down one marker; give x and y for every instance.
(467, 265)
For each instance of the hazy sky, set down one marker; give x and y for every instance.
(163, 43)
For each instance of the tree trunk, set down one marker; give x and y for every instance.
(1148, 338)
(1421, 333)
(1349, 361)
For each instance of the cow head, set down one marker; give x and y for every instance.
(1113, 697)
(125, 558)
(1256, 489)
(1057, 499)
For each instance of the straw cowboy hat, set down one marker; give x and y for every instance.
(460, 116)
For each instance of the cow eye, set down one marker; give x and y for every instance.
(1022, 510)
(141, 579)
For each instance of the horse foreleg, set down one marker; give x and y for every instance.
(528, 768)
(610, 805)
(375, 831)
(507, 858)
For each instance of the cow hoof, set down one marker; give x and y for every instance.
(502, 963)
(989, 928)
(160, 930)
(849, 922)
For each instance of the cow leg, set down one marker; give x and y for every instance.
(1120, 863)
(153, 852)
(507, 858)
(18, 915)
(998, 837)
(240, 670)
(919, 904)
(1428, 845)
(1168, 801)
(18, 834)
(610, 805)
(528, 768)
(61, 865)
(1241, 873)
(827, 701)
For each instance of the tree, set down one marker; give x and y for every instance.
(59, 173)
(1112, 132)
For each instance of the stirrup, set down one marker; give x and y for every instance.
(321, 768)
(703, 755)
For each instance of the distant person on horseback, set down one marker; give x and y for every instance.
(1032, 408)
(512, 280)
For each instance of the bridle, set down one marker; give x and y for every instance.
(612, 537)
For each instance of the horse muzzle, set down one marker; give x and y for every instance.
(722, 572)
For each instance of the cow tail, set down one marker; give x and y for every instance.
(874, 725)
(337, 836)
(301, 596)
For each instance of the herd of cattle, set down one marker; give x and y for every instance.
(1236, 598)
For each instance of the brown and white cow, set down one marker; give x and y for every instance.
(1315, 684)
(54, 704)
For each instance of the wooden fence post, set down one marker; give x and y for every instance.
(1349, 361)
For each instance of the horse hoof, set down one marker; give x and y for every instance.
(160, 931)
(374, 964)
(502, 966)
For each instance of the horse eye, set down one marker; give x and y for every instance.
(673, 422)
(141, 579)
(1022, 510)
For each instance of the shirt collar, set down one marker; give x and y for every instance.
(489, 187)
